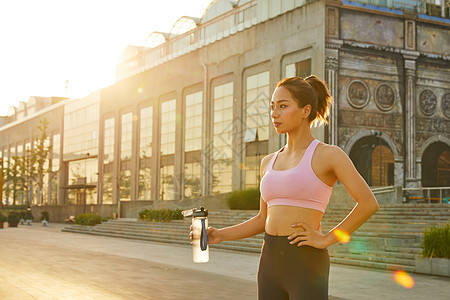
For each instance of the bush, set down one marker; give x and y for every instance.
(245, 199)
(14, 217)
(88, 219)
(436, 242)
(26, 215)
(160, 215)
(2, 217)
(45, 216)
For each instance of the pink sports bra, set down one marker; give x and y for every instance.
(298, 186)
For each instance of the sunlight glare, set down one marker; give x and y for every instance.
(342, 236)
(404, 279)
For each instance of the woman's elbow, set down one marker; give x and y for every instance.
(374, 206)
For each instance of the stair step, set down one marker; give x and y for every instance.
(388, 240)
(371, 264)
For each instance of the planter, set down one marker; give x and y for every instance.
(1, 224)
(433, 266)
(13, 224)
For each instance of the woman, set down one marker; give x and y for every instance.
(295, 188)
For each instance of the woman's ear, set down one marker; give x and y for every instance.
(307, 111)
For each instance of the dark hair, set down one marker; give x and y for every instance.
(312, 91)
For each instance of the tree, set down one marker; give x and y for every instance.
(13, 176)
(40, 159)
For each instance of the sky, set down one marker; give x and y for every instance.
(69, 48)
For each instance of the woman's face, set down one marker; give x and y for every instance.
(285, 113)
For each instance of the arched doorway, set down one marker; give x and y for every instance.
(436, 165)
(374, 160)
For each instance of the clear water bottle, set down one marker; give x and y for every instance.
(199, 237)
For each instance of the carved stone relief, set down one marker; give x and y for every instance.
(345, 134)
(427, 102)
(397, 139)
(357, 94)
(445, 104)
(370, 120)
(384, 97)
(421, 138)
(433, 125)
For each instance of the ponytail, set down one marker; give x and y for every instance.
(324, 100)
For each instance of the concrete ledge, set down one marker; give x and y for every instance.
(433, 266)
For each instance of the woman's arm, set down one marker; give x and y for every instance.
(251, 227)
(366, 204)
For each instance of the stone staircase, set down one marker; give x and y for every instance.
(389, 240)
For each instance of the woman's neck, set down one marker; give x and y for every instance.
(298, 140)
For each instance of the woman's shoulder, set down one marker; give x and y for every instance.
(265, 161)
(329, 152)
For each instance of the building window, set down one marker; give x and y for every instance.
(82, 181)
(108, 161)
(145, 153)
(168, 115)
(168, 125)
(222, 157)
(81, 121)
(193, 122)
(55, 168)
(300, 69)
(257, 122)
(257, 117)
(125, 156)
(193, 145)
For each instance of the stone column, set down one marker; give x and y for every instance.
(410, 118)
(331, 77)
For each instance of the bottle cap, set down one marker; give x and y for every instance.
(202, 212)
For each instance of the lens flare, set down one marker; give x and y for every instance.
(403, 278)
(342, 236)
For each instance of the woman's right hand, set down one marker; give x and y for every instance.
(214, 236)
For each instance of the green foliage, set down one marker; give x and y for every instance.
(106, 219)
(88, 219)
(13, 217)
(45, 216)
(160, 215)
(436, 242)
(14, 207)
(245, 199)
(2, 217)
(22, 172)
(26, 215)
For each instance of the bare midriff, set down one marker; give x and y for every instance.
(281, 217)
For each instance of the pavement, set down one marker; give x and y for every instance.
(39, 262)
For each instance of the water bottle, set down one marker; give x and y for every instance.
(200, 249)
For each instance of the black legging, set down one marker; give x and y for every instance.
(290, 272)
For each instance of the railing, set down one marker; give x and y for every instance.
(383, 189)
(428, 194)
(428, 7)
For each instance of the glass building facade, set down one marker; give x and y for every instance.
(257, 120)
(167, 136)
(80, 154)
(145, 153)
(125, 156)
(193, 140)
(222, 156)
(108, 160)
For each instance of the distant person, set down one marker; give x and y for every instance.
(295, 188)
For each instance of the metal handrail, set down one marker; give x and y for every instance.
(442, 199)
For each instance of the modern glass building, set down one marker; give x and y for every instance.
(189, 114)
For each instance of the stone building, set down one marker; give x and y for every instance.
(189, 113)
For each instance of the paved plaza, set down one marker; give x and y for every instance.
(39, 262)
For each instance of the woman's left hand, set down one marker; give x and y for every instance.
(309, 237)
